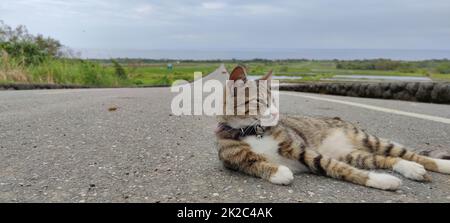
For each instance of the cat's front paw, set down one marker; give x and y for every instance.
(383, 181)
(283, 176)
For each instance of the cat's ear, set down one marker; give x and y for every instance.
(268, 76)
(238, 73)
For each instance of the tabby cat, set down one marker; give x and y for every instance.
(325, 146)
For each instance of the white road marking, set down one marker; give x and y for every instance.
(372, 107)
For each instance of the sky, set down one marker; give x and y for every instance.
(234, 24)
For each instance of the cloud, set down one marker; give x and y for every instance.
(187, 36)
(262, 9)
(144, 9)
(213, 5)
(194, 24)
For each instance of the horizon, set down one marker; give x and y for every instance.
(268, 54)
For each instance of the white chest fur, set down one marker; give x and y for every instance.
(268, 147)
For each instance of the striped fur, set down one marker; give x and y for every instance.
(325, 146)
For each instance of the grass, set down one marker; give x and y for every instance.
(92, 73)
(95, 73)
(158, 74)
(57, 71)
(77, 72)
(317, 70)
(440, 77)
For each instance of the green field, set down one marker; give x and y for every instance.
(100, 74)
(315, 70)
(103, 73)
(159, 74)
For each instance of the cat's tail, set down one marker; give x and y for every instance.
(385, 147)
(435, 154)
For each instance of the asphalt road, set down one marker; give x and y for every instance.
(67, 146)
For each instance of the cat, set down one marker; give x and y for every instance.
(326, 146)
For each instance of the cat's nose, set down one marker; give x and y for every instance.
(274, 111)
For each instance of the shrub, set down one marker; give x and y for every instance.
(443, 68)
(27, 48)
(119, 71)
(284, 69)
(138, 82)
